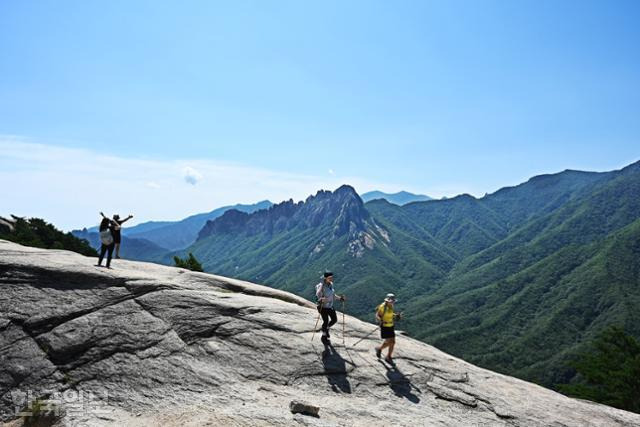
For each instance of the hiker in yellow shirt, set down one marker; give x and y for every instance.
(386, 317)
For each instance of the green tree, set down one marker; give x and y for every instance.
(190, 263)
(610, 372)
(38, 233)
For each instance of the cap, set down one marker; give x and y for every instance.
(390, 297)
(328, 274)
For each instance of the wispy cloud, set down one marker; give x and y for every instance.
(69, 186)
(191, 176)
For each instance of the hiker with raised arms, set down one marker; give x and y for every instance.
(386, 317)
(117, 237)
(326, 296)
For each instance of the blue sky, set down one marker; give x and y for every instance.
(439, 98)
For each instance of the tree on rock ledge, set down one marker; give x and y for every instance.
(190, 263)
(38, 233)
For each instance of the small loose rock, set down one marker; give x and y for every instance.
(303, 408)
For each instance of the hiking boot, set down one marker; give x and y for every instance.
(378, 352)
(389, 360)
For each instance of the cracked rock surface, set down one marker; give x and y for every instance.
(155, 345)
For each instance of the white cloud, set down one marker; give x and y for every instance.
(69, 186)
(331, 172)
(192, 176)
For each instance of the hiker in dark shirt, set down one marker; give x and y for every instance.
(117, 237)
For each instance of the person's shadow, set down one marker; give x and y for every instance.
(335, 368)
(399, 383)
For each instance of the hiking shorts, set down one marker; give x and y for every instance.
(387, 332)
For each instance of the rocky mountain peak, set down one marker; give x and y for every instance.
(342, 210)
(229, 222)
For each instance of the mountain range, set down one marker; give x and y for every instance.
(150, 240)
(400, 198)
(518, 281)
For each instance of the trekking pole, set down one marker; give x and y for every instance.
(343, 344)
(315, 327)
(365, 337)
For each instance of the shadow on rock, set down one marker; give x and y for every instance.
(400, 384)
(335, 368)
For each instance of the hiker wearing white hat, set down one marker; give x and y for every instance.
(386, 317)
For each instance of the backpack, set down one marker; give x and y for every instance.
(319, 303)
(106, 237)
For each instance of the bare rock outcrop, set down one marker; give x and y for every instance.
(144, 344)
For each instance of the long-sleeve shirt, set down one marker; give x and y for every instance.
(325, 290)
